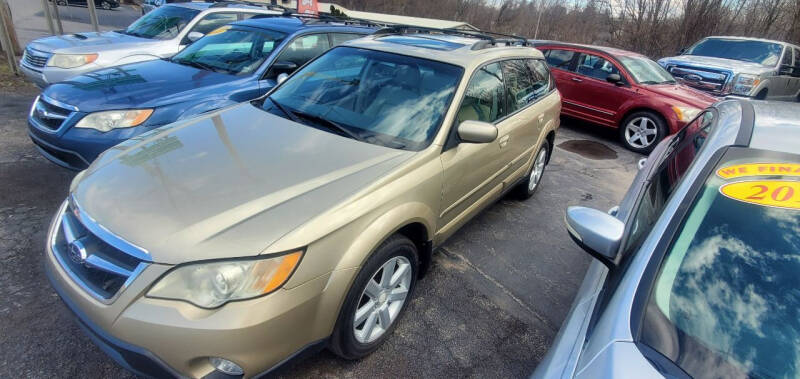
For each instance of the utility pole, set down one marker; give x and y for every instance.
(92, 14)
(538, 19)
(58, 18)
(49, 17)
(5, 37)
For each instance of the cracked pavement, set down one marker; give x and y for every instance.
(490, 306)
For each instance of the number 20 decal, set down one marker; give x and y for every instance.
(770, 193)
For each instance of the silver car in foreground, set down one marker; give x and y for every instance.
(161, 33)
(696, 272)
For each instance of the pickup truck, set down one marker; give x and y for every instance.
(739, 67)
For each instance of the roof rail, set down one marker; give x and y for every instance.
(308, 18)
(229, 3)
(488, 39)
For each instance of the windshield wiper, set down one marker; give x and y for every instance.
(286, 111)
(196, 64)
(330, 125)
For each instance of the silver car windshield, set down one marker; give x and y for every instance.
(235, 51)
(377, 97)
(646, 71)
(726, 300)
(162, 23)
(766, 53)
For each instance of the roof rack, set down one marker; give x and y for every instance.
(308, 18)
(487, 39)
(228, 3)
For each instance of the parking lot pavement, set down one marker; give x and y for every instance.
(490, 306)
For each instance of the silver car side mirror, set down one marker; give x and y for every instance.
(194, 36)
(597, 232)
(282, 77)
(477, 132)
(641, 163)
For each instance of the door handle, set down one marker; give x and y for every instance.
(577, 80)
(503, 141)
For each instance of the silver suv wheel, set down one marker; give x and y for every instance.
(641, 132)
(382, 299)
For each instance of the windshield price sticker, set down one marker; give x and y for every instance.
(759, 169)
(769, 193)
(220, 30)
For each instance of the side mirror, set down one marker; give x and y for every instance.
(284, 67)
(599, 233)
(282, 77)
(615, 79)
(641, 163)
(477, 132)
(787, 69)
(194, 36)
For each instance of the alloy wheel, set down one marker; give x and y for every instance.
(641, 132)
(537, 170)
(106, 5)
(382, 299)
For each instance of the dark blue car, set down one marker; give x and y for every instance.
(72, 122)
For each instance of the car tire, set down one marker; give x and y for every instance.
(642, 131)
(528, 186)
(351, 340)
(105, 5)
(61, 2)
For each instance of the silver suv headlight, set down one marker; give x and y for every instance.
(108, 120)
(212, 284)
(71, 60)
(744, 83)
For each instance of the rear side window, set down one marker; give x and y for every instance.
(485, 96)
(787, 57)
(796, 58)
(542, 79)
(519, 84)
(725, 301)
(213, 21)
(340, 38)
(559, 58)
(305, 48)
(595, 67)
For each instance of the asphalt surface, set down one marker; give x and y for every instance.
(491, 305)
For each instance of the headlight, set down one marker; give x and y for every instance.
(686, 114)
(105, 121)
(71, 60)
(210, 285)
(744, 83)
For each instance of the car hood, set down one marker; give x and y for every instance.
(144, 84)
(737, 67)
(89, 42)
(684, 94)
(226, 184)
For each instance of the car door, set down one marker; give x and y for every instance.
(521, 128)
(561, 64)
(474, 173)
(596, 99)
(781, 89)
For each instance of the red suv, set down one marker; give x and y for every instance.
(621, 89)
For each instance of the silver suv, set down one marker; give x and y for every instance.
(159, 34)
(738, 66)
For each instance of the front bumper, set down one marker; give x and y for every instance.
(157, 337)
(44, 76)
(34, 75)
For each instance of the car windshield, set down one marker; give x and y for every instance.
(766, 53)
(235, 51)
(726, 301)
(377, 97)
(162, 23)
(645, 71)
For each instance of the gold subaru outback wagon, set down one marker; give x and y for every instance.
(226, 244)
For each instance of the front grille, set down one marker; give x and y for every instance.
(35, 58)
(49, 115)
(705, 79)
(93, 262)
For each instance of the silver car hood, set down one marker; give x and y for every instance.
(91, 42)
(224, 185)
(737, 67)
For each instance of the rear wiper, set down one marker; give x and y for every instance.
(330, 125)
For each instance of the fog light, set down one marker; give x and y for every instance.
(226, 366)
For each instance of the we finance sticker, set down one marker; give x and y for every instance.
(759, 169)
(768, 193)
